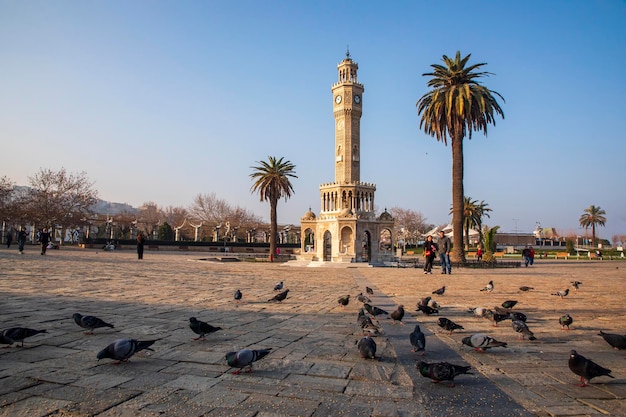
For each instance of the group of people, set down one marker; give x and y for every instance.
(21, 239)
(441, 248)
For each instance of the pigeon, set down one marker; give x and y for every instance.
(442, 371)
(497, 318)
(524, 288)
(562, 293)
(6, 341)
(201, 328)
(238, 295)
(479, 312)
(369, 290)
(576, 284)
(398, 314)
(586, 368)
(488, 287)
(367, 347)
(427, 310)
(424, 301)
(433, 304)
(245, 357)
(418, 340)
(373, 310)
(448, 324)
(521, 328)
(90, 322)
(279, 297)
(278, 286)
(481, 342)
(616, 340)
(509, 304)
(122, 349)
(18, 334)
(363, 298)
(516, 315)
(440, 291)
(366, 323)
(344, 300)
(565, 320)
(502, 310)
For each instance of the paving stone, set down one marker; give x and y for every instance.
(192, 382)
(33, 407)
(316, 382)
(378, 389)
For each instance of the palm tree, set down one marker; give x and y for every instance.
(593, 215)
(457, 105)
(489, 243)
(473, 213)
(271, 181)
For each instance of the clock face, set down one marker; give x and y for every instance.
(338, 99)
(357, 99)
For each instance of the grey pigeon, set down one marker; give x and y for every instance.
(502, 310)
(363, 298)
(440, 291)
(397, 314)
(367, 326)
(481, 342)
(344, 300)
(279, 297)
(479, 312)
(448, 324)
(201, 328)
(367, 347)
(18, 334)
(369, 290)
(245, 357)
(616, 340)
(562, 293)
(122, 349)
(521, 328)
(90, 322)
(565, 321)
(525, 288)
(237, 296)
(418, 340)
(488, 287)
(519, 316)
(373, 310)
(585, 368)
(278, 286)
(427, 310)
(442, 371)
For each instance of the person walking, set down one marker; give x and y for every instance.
(479, 254)
(445, 246)
(21, 240)
(9, 239)
(430, 249)
(44, 239)
(531, 256)
(526, 256)
(140, 242)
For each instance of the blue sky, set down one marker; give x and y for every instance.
(162, 100)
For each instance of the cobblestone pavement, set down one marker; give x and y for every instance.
(314, 368)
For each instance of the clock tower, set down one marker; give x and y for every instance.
(347, 229)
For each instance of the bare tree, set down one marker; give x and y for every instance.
(209, 209)
(149, 216)
(6, 191)
(60, 198)
(410, 225)
(175, 216)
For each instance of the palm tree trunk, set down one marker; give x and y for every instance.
(458, 255)
(273, 227)
(593, 235)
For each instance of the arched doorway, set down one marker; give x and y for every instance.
(366, 247)
(346, 240)
(328, 246)
(308, 243)
(386, 244)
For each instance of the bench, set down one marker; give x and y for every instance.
(563, 255)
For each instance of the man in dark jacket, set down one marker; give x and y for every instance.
(445, 247)
(44, 239)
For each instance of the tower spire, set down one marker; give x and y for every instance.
(348, 52)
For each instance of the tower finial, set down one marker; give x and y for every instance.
(348, 52)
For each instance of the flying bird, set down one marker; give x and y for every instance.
(201, 328)
(398, 314)
(565, 321)
(576, 284)
(524, 288)
(617, 341)
(585, 368)
(122, 349)
(523, 330)
(488, 287)
(18, 334)
(245, 357)
(373, 310)
(369, 290)
(367, 347)
(278, 286)
(481, 342)
(237, 296)
(418, 340)
(90, 322)
(279, 297)
(344, 300)
(509, 304)
(442, 371)
(448, 324)
(562, 293)
(440, 291)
